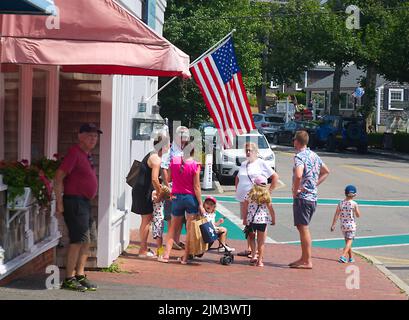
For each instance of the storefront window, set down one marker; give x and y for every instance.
(9, 101)
(39, 111)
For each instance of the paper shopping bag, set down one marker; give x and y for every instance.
(196, 244)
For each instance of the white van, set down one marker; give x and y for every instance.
(227, 162)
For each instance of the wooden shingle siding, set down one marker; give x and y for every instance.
(80, 102)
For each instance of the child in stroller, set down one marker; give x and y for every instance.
(210, 214)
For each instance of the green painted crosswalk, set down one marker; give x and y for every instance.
(375, 203)
(361, 242)
(235, 231)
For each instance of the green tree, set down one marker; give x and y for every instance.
(393, 58)
(379, 22)
(195, 26)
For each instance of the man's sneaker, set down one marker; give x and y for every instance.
(73, 284)
(351, 260)
(226, 248)
(86, 283)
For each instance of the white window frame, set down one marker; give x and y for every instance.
(25, 112)
(390, 95)
(348, 97)
(316, 92)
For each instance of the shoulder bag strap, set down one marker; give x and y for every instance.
(247, 170)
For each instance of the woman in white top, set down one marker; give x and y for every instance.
(249, 170)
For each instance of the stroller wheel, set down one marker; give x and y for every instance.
(226, 260)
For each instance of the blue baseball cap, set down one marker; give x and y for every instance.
(350, 189)
(89, 127)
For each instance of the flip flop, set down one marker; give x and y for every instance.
(300, 266)
(244, 253)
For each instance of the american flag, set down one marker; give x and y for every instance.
(219, 79)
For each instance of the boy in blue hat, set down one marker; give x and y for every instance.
(347, 211)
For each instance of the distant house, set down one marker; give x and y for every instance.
(311, 76)
(391, 97)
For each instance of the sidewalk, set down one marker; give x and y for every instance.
(206, 278)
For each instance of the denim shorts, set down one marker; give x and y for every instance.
(184, 203)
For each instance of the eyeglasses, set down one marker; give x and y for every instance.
(91, 161)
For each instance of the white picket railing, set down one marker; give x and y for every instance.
(39, 235)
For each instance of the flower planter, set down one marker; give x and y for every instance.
(22, 201)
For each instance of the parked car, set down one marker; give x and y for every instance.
(338, 132)
(267, 124)
(286, 132)
(227, 162)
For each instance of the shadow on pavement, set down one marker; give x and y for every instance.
(32, 282)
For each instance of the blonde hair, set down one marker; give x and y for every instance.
(251, 145)
(259, 195)
(302, 137)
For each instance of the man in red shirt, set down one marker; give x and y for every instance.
(76, 185)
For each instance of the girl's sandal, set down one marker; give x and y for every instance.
(253, 261)
(260, 264)
(182, 261)
(162, 259)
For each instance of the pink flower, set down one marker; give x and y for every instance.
(47, 184)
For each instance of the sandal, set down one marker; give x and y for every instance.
(163, 259)
(260, 264)
(182, 261)
(342, 259)
(253, 261)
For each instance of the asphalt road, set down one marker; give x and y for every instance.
(383, 194)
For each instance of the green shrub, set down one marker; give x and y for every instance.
(401, 142)
(375, 140)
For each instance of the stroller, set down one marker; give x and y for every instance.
(228, 257)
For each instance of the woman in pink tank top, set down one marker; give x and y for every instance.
(185, 175)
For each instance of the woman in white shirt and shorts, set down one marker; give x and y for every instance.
(249, 170)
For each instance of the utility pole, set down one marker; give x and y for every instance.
(262, 107)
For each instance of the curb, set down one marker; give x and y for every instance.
(391, 276)
(389, 155)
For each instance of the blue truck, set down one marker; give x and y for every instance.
(339, 132)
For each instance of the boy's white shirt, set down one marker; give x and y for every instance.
(211, 217)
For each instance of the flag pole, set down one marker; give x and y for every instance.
(196, 60)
